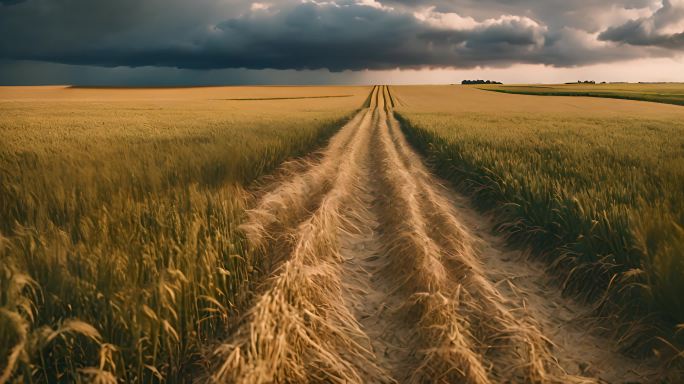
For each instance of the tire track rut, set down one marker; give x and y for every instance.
(379, 274)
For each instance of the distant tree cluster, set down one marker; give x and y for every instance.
(583, 82)
(480, 82)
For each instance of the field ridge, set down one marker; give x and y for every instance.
(631, 92)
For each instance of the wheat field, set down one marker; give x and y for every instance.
(384, 234)
(592, 186)
(119, 251)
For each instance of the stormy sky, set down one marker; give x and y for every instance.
(338, 41)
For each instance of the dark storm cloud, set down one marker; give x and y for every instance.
(653, 30)
(582, 14)
(349, 36)
(336, 34)
(635, 33)
(11, 2)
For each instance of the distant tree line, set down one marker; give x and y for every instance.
(584, 82)
(480, 82)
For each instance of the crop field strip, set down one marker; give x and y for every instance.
(592, 187)
(287, 98)
(382, 276)
(668, 93)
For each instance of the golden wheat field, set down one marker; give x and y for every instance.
(379, 234)
(120, 254)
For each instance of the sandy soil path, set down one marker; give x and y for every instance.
(380, 274)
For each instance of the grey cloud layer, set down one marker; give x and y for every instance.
(337, 35)
(650, 31)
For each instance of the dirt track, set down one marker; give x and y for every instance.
(382, 275)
